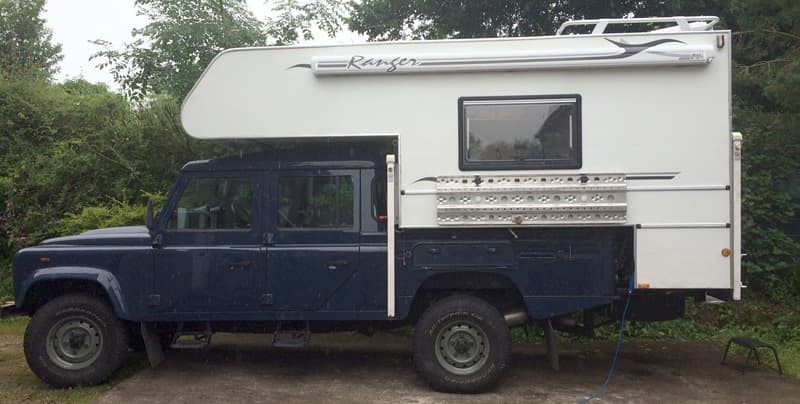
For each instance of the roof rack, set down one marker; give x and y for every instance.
(697, 23)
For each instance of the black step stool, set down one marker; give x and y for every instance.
(752, 344)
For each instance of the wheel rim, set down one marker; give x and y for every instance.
(462, 348)
(74, 342)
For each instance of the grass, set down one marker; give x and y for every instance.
(755, 317)
(19, 384)
(777, 325)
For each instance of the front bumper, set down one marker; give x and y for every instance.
(8, 310)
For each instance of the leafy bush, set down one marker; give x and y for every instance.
(96, 217)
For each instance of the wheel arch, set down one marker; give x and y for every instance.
(47, 284)
(497, 289)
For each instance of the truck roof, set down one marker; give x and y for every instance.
(298, 155)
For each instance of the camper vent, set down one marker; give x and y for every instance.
(531, 200)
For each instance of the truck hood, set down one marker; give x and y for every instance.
(128, 235)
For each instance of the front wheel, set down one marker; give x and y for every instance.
(462, 345)
(75, 340)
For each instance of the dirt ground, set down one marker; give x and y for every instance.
(351, 368)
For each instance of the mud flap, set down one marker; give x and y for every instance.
(152, 345)
(551, 339)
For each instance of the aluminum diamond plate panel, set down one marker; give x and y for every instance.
(531, 200)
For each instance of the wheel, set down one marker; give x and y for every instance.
(462, 345)
(75, 340)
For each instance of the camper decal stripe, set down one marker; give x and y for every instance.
(651, 177)
(629, 50)
(620, 54)
(632, 49)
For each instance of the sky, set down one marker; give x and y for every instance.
(76, 22)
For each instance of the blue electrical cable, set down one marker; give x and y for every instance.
(599, 393)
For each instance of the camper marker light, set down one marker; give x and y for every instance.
(726, 252)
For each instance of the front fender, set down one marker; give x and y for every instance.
(104, 279)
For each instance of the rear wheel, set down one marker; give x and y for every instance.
(75, 340)
(462, 345)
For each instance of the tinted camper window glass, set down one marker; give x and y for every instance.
(315, 202)
(520, 133)
(214, 204)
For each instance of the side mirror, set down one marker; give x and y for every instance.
(148, 218)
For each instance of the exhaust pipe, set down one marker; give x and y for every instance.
(517, 317)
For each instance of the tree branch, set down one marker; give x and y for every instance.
(767, 63)
(768, 31)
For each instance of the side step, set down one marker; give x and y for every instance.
(191, 339)
(291, 338)
(9, 309)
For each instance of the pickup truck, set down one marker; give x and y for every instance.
(273, 242)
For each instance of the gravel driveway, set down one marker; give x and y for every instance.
(351, 368)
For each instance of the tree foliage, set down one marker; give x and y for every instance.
(79, 149)
(25, 42)
(438, 19)
(298, 19)
(766, 82)
(168, 54)
(182, 36)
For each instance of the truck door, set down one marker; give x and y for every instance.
(210, 258)
(314, 237)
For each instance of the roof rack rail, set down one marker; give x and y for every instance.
(697, 23)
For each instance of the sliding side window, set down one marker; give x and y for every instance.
(520, 133)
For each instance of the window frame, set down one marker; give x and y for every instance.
(178, 193)
(379, 180)
(465, 165)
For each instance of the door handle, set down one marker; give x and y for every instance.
(336, 264)
(233, 266)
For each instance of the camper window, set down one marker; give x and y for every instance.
(536, 132)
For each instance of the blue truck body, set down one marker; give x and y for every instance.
(269, 274)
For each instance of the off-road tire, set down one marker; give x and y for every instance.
(451, 321)
(103, 325)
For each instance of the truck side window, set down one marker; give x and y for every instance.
(315, 202)
(529, 133)
(214, 204)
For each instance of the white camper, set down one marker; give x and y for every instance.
(623, 129)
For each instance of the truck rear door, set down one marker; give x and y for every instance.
(314, 246)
